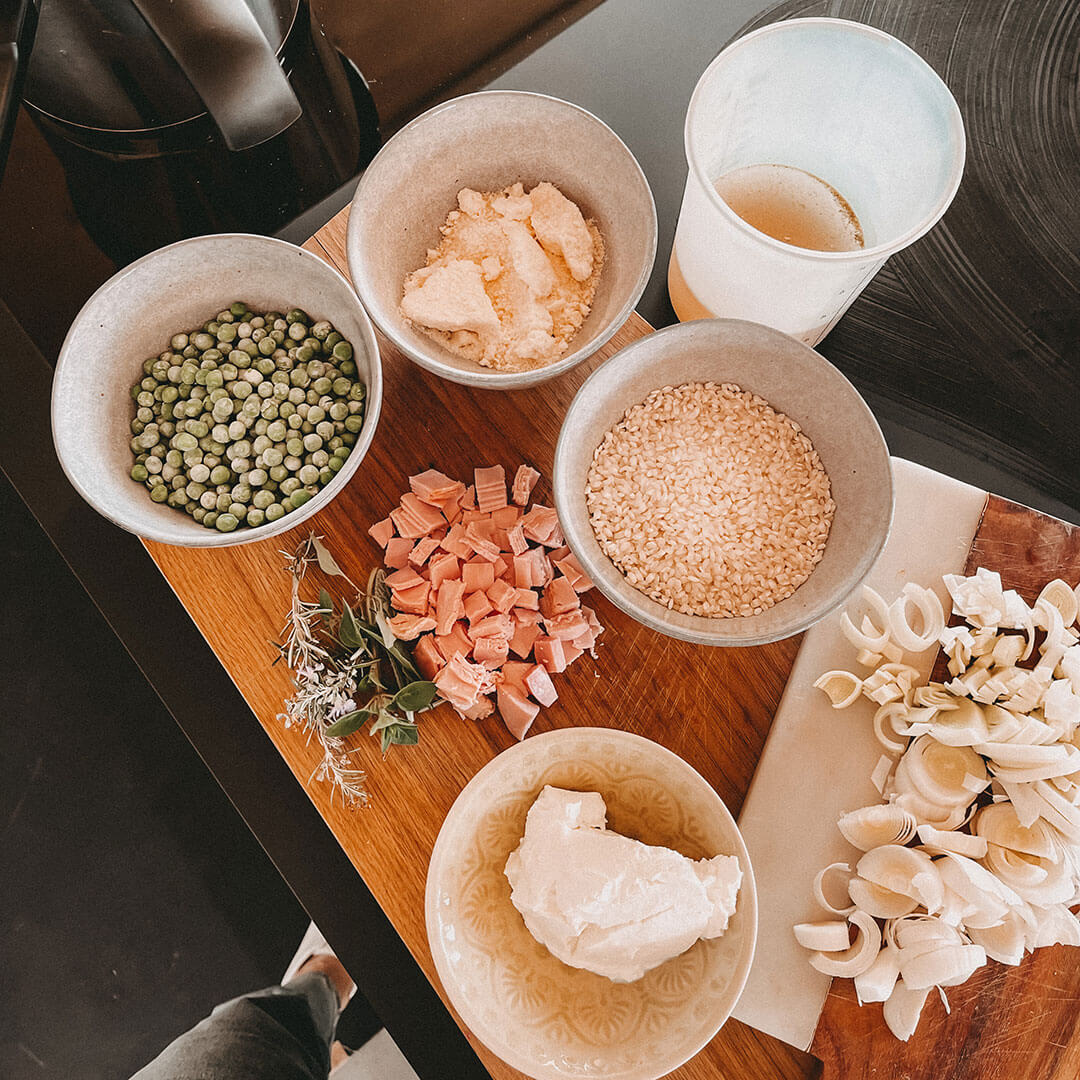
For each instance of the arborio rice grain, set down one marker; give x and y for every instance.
(710, 501)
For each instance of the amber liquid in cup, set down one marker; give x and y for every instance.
(788, 204)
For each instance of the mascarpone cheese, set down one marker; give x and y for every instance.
(604, 902)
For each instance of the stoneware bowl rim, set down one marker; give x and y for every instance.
(553, 746)
(649, 351)
(430, 359)
(66, 366)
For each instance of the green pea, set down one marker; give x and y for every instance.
(299, 377)
(153, 464)
(198, 513)
(226, 522)
(242, 389)
(295, 421)
(308, 474)
(354, 423)
(213, 380)
(357, 392)
(298, 498)
(195, 490)
(297, 331)
(159, 493)
(319, 458)
(237, 509)
(331, 340)
(312, 442)
(226, 332)
(139, 473)
(342, 386)
(326, 474)
(255, 517)
(348, 368)
(322, 329)
(278, 473)
(315, 413)
(338, 411)
(222, 410)
(289, 485)
(324, 429)
(275, 511)
(335, 463)
(185, 441)
(220, 474)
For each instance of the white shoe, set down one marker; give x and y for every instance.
(311, 944)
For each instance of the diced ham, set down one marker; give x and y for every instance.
(539, 684)
(382, 531)
(462, 683)
(455, 643)
(571, 568)
(524, 482)
(540, 522)
(491, 652)
(479, 543)
(514, 672)
(483, 708)
(549, 652)
(493, 626)
(559, 597)
(556, 540)
(427, 517)
(525, 634)
(490, 487)
(566, 627)
(408, 526)
(404, 578)
(528, 599)
(505, 517)
(570, 652)
(515, 540)
(477, 606)
(465, 553)
(502, 595)
(523, 571)
(428, 658)
(451, 509)
(420, 554)
(450, 606)
(412, 600)
(517, 711)
(433, 487)
(397, 553)
(478, 574)
(443, 568)
(454, 542)
(407, 627)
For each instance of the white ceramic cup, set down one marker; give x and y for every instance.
(845, 102)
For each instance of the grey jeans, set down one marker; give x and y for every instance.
(280, 1033)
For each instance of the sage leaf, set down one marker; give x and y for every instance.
(404, 734)
(349, 632)
(327, 562)
(348, 723)
(415, 697)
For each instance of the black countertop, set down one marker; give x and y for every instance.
(965, 346)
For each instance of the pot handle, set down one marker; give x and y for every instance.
(227, 59)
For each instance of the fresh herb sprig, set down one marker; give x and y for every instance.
(348, 668)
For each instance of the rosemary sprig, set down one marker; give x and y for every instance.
(348, 669)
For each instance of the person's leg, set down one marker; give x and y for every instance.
(280, 1033)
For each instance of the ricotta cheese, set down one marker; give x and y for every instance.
(605, 902)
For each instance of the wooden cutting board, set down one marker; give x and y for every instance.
(713, 707)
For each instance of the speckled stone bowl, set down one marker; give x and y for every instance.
(795, 380)
(487, 141)
(134, 314)
(549, 1020)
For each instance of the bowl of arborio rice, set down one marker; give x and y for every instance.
(723, 483)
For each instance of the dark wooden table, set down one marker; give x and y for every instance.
(966, 346)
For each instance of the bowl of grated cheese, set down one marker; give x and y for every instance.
(501, 238)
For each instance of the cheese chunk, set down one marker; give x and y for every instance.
(560, 227)
(450, 297)
(609, 904)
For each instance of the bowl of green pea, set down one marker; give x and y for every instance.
(217, 391)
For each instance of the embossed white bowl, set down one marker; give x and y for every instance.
(539, 1015)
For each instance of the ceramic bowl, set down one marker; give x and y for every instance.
(487, 141)
(134, 314)
(536, 1013)
(796, 381)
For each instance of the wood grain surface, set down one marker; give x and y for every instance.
(972, 335)
(711, 706)
(1007, 1023)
